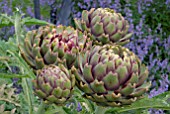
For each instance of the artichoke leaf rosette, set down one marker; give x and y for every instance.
(104, 26)
(111, 76)
(52, 45)
(54, 84)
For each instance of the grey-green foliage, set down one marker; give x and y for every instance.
(9, 53)
(10, 56)
(26, 6)
(6, 20)
(2, 110)
(8, 97)
(7, 94)
(10, 50)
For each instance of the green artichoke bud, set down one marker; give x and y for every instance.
(111, 76)
(104, 26)
(52, 45)
(54, 84)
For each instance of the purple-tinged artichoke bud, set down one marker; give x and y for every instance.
(104, 26)
(111, 75)
(54, 84)
(53, 45)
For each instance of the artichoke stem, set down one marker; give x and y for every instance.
(41, 108)
(100, 110)
(59, 110)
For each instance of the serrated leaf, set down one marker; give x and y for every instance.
(2, 110)
(33, 21)
(9, 50)
(58, 110)
(158, 102)
(6, 75)
(8, 95)
(5, 20)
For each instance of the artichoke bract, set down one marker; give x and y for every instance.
(52, 45)
(104, 26)
(54, 84)
(111, 76)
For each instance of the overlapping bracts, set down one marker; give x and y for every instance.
(52, 45)
(111, 76)
(104, 26)
(54, 84)
(102, 69)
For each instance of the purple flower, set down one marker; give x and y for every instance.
(30, 11)
(148, 1)
(49, 2)
(139, 7)
(167, 2)
(79, 107)
(87, 1)
(168, 68)
(155, 111)
(164, 84)
(116, 5)
(104, 3)
(164, 64)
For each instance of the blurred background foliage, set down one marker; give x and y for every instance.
(149, 20)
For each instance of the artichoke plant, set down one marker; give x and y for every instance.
(104, 26)
(54, 84)
(52, 45)
(111, 76)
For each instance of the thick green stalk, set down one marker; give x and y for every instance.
(100, 110)
(10, 101)
(57, 110)
(6, 75)
(17, 25)
(27, 94)
(25, 84)
(41, 108)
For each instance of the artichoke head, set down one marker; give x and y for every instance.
(104, 26)
(111, 76)
(54, 84)
(52, 45)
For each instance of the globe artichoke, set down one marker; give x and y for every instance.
(52, 45)
(103, 26)
(54, 84)
(111, 76)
